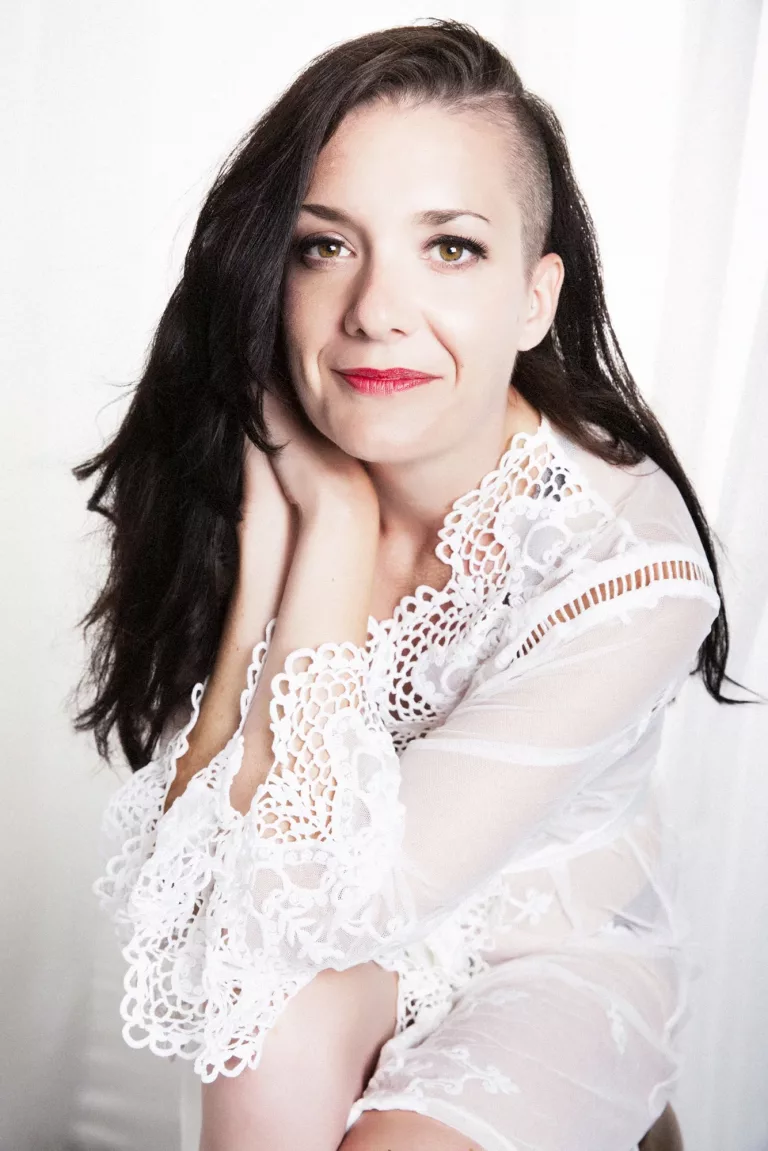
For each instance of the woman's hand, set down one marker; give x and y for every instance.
(310, 469)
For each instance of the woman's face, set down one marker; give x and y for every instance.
(370, 284)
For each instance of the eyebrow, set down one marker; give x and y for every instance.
(434, 217)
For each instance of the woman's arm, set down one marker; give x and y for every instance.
(327, 598)
(267, 539)
(307, 547)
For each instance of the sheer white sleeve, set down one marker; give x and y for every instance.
(349, 847)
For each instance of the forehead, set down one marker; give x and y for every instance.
(394, 162)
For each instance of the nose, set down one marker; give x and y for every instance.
(381, 304)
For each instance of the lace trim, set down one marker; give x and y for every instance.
(629, 581)
(504, 542)
(471, 516)
(130, 820)
(232, 913)
(654, 576)
(227, 908)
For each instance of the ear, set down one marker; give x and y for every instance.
(541, 302)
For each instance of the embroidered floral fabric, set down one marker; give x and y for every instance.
(468, 799)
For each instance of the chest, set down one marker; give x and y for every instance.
(423, 658)
(391, 585)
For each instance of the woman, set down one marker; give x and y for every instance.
(396, 877)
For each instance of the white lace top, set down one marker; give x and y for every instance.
(475, 783)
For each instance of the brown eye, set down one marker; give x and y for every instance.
(453, 248)
(455, 245)
(328, 247)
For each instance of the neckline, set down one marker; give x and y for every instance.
(518, 445)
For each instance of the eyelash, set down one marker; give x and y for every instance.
(477, 248)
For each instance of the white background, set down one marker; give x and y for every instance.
(115, 119)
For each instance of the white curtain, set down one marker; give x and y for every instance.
(115, 117)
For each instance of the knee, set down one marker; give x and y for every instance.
(398, 1130)
(325, 1044)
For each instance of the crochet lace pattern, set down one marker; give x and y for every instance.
(223, 917)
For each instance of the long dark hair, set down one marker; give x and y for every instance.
(171, 477)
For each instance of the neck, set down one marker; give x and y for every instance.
(415, 496)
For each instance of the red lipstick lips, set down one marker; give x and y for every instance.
(377, 381)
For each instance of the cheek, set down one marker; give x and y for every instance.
(495, 328)
(308, 314)
(478, 335)
(293, 307)
(477, 305)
